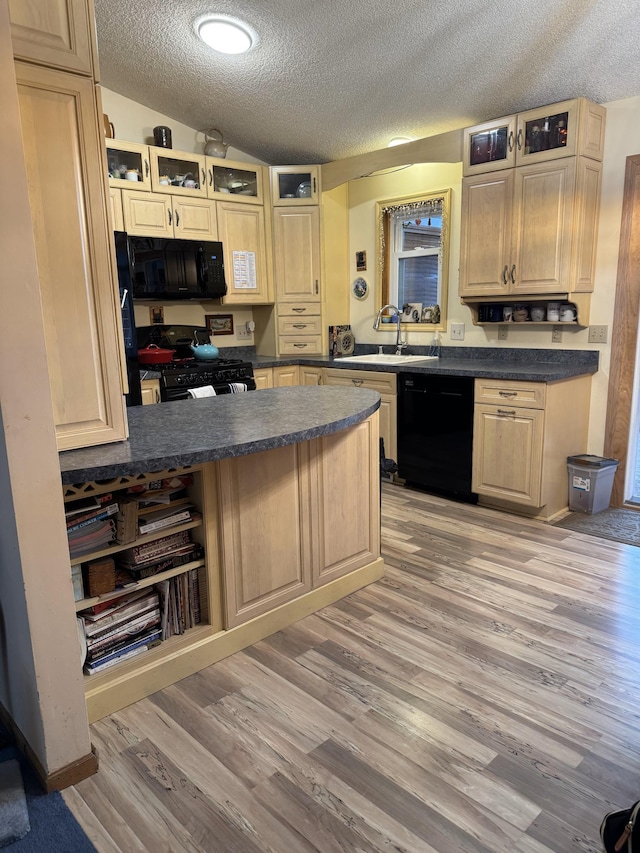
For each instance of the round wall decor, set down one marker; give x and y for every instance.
(360, 288)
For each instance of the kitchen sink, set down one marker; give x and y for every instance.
(387, 358)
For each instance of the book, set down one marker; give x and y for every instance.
(187, 554)
(127, 521)
(131, 650)
(158, 522)
(123, 634)
(103, 609)
(127, 645)
(87, 504)
(101, 628)
(98, 515)
(157, 547)
(93, 538)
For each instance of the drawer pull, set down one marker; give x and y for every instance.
(300, 325)
(357, 381)
(507, 414)
(298, 310)
(300, 346)
(508, 393)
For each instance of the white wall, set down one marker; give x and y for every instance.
(622, 140)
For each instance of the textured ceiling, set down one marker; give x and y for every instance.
(333, 78)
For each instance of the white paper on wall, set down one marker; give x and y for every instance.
(244, 271)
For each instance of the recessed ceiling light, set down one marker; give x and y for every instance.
(226, 35)
(398, 140)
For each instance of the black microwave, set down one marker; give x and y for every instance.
(164, 268)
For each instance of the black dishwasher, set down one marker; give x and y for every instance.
(435, 433)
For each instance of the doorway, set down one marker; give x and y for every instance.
(621, 431)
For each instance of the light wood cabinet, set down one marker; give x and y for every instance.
(128, 158)
(565, 129)
(150, 391)
(522, 435)
(179, 173)
(115, 209)
(241, 229)
(58, 34)
(234, 179)
(263, 377)
(386, 385)
(159, 215)
(310, 375)
(64, 147)
(296, 241)
(530, 230)
(265, 530)
(292, 186)
(284, 377)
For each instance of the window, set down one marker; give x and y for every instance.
(413, 255)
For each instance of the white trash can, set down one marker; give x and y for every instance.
(590, 482)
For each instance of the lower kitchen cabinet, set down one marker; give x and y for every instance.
(385, 385)
(522, 435)
(150, 389)
(283, 377)
(310, 375)
(263, 377)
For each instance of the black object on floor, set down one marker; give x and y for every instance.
(619, 525)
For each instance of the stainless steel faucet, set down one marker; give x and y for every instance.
(400, 344)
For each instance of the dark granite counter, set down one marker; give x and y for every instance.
(187, 432)
(531, 365)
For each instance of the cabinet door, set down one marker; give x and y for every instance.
(266, 540)
(240, 181)
(507, 453)
(295, 185)
(310, 375)
(485, 242)
(285, 377)
(150, 391)
(489, 147)
(178, 172)
(147, 214)
(115, 208)
(128, 165)
(561, 130)
(64, 150)
(195, 219)
(241, 230)
(349, 456)
(542, 227)
(56, 33)
(296, 240)
(263, 377)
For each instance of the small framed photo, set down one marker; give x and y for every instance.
(219, 324)
(361, 261)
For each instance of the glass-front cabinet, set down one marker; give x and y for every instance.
(178, 172)
(569, 128)
(295, 185)
(129, 165)
(229, 180)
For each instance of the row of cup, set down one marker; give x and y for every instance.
(552, 312)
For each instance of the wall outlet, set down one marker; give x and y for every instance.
(598, 334)
(457, 331)
(242, 332)
(503, 332)
(556, 334)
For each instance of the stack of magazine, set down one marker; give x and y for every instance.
(122, 629)
(90, 524)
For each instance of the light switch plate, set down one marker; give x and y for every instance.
(503, 332)
(598, 334)
(457, 331)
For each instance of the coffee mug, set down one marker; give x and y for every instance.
(567, 313)
(553, 311)
(507, 313)
(131, 175)
(537, 313)
(520, 314)
(162, 136)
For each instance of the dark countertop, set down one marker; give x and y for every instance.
(187, 432)
(531, 365)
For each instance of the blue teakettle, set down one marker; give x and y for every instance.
(205, 352)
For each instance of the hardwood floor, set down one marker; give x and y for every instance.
(483, 697)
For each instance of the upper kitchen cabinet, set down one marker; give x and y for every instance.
(58, 33)
(566, 129)
(530, 230)
(237, 181)
(296, 243)
(241, 230)
(129, 165)
(160, 215)
(178, 172)
(64, 150)
(295, 185)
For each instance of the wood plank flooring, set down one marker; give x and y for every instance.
(483, 697)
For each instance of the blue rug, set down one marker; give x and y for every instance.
(53, 828)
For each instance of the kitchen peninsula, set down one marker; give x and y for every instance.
(286, 484)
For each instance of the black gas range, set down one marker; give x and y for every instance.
(184, 372)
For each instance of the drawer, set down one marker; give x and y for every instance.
(383, 383)
(298, 309)
(531, 395)
(310, 325)
(300, 344)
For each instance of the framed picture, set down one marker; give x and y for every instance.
(219, 324)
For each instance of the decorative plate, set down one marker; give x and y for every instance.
(360, 288)
(346, 343)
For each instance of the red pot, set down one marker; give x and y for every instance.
(153, 354)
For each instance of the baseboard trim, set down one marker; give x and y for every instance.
(71, 774)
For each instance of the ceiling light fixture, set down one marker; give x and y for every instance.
(398, 140)
(225, 35)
